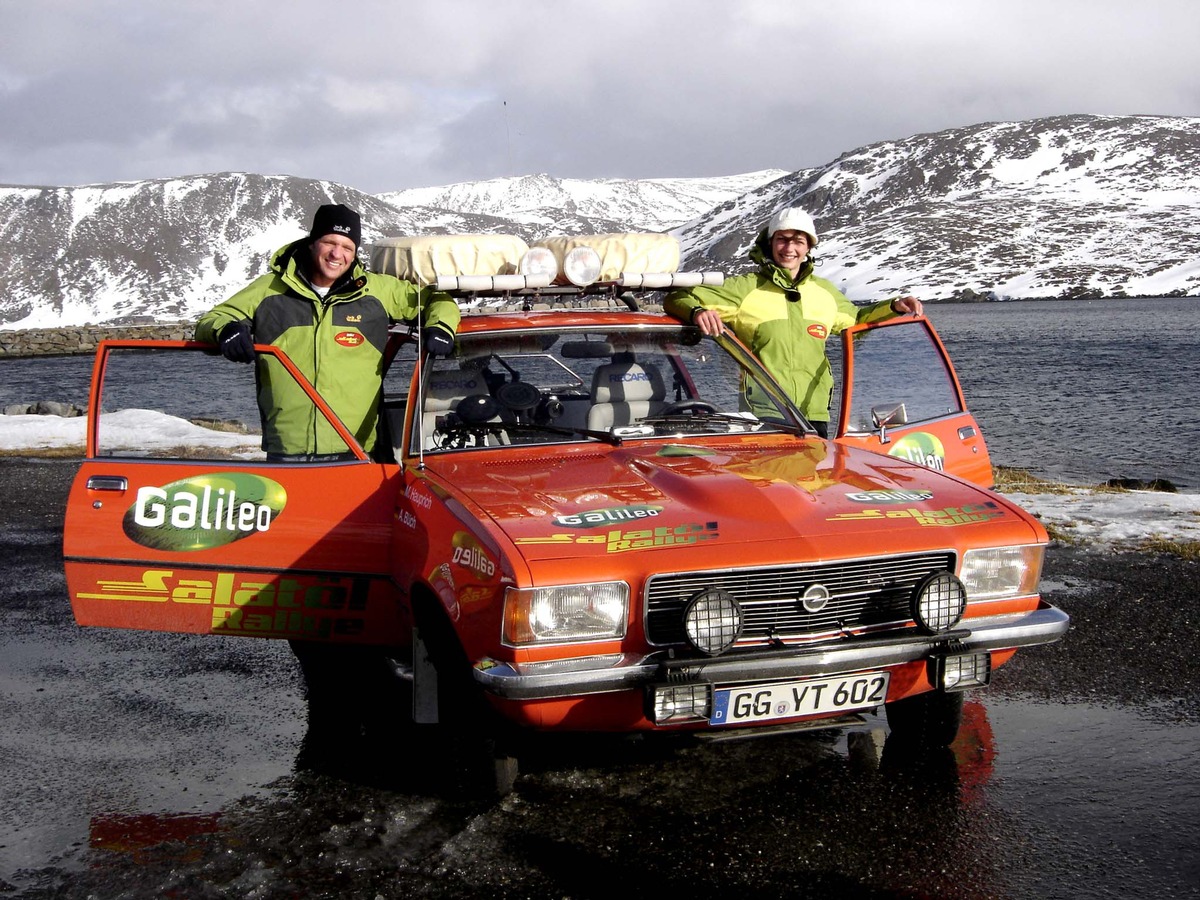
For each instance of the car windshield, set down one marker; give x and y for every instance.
(594, 383)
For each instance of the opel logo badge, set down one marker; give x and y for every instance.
(815, 598)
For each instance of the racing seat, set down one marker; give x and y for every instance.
(624, 391)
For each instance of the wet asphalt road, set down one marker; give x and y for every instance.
(143, 765)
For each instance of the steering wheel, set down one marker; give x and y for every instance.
(693, 406)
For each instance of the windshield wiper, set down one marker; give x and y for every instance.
(499, 427)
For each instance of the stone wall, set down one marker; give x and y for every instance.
(84, 338)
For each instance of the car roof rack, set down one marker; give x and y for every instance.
(627, 290)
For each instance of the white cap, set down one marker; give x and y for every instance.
(793, 219)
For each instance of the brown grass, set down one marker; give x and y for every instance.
(1189, 550)
(1025, 482)
(43, 453)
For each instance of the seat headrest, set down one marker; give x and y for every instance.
(620, 382)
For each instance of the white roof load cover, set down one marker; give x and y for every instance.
(634, 252)
(422, 258)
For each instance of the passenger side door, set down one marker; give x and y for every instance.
(901, 397)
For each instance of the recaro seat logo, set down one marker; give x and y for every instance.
(203, 511)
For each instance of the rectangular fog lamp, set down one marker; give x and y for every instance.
(961, 673)
(681, 702)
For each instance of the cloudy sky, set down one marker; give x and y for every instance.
(408, 93)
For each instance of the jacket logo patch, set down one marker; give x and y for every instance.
(349, 338)
(819, 331)
(355, 319)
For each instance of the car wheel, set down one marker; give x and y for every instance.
(930, 719)
(479, 747)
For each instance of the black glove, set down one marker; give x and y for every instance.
(437, 341)
(236, 343)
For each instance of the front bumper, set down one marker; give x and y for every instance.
(597, 675)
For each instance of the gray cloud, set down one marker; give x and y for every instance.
(381, 95)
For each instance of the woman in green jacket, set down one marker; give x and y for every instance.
(331, 317)
(784, 313)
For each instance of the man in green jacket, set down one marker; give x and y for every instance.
(784, 313)
(331, 317)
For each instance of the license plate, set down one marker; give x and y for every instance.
(814, 696)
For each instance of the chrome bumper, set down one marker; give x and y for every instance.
(603, 674)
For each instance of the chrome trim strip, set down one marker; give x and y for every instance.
(510, 681)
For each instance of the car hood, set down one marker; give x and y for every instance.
(601, 501)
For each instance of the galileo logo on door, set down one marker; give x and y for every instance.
(921, 448)
(204, 511)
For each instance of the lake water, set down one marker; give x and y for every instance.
(1076, 390)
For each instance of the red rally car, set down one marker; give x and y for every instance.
(577, 521)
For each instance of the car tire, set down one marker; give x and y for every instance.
(931, 719)
(479, 748)
(358, 708)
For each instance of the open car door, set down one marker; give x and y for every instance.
(901, 397)
(177, 521)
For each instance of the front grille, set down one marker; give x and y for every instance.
(869, 594)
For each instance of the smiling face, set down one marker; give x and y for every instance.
(788, 249)
(332, 255)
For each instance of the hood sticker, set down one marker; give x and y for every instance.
(613, 515)
(890, 496)
(969, 514)
(204, 511)
(644, 539)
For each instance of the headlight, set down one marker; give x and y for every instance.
(999, 573)
(572, 612)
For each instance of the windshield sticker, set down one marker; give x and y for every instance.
(889, 496)
(921, 448)
(972, 514)
(595, 518)
(294, 605)
(623, 541)
(204, 511)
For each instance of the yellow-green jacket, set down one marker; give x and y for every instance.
(337, 343)
(784, 322)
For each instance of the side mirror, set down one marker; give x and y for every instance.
(888, 416)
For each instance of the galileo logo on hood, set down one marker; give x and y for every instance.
(595, 518)
(203, 511)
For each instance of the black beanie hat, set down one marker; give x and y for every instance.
(335, 218)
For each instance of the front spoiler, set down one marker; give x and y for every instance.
(604, 674)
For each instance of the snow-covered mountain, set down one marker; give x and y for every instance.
(1065, 206)
(652, 204)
